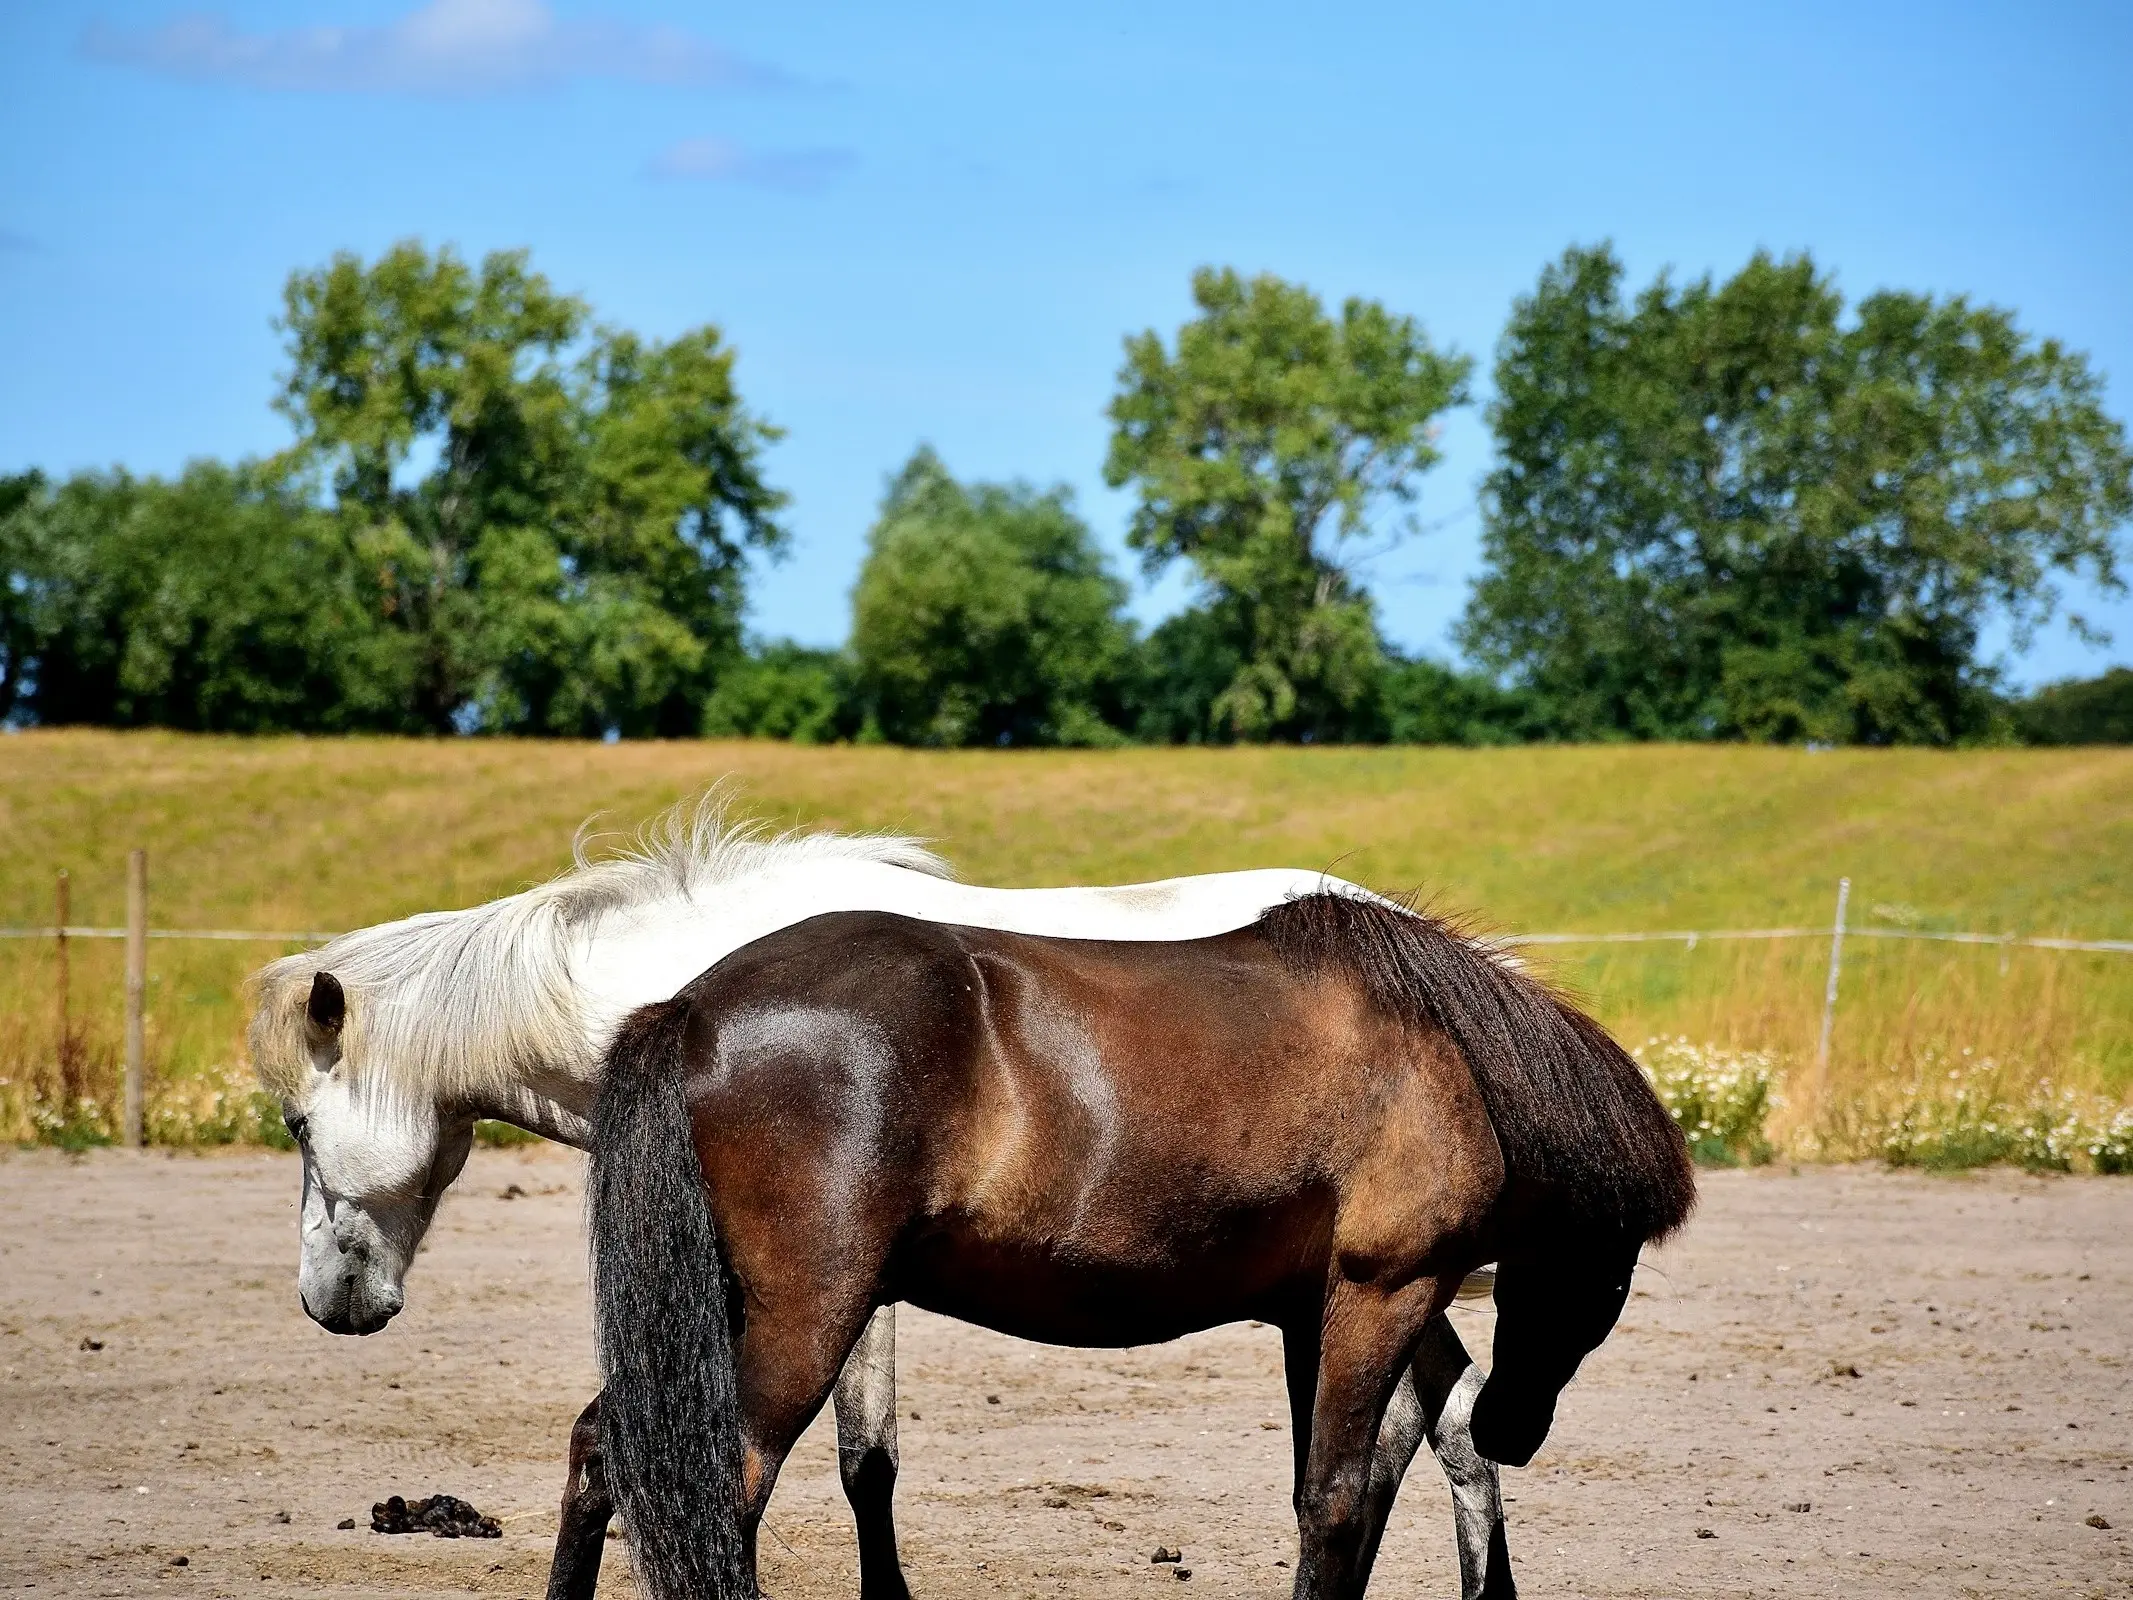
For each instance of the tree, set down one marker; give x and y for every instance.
(1731, 511)
(1262, 448)
(1426, 702)
(784, 691)
(984, 615)
(2095, 710)
(222, 601)
(562, 515)
(19, 493)
(1182, 668)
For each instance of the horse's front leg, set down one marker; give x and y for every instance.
(867, 1458)
(1400, 1435)
(1434, 1399)
(1365, 1337)
(581, 1536)
(1446, 1382)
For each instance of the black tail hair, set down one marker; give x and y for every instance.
(670, 1415)
(1571, 1109)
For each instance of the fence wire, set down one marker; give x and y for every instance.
(1688, 936)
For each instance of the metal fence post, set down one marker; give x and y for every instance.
(1829, 992)
(136, 989)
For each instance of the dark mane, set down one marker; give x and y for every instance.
(1571, 1109)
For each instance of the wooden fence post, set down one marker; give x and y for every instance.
(1829, 990)
(63, 913)
(136, 989)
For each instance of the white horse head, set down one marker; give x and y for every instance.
(376, 1163)
(380, 1108)
(387, 1045)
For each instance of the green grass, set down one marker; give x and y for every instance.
(300, 834)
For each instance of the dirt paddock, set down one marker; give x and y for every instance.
(1935, 1369)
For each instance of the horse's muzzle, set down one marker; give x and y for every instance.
(1509, 1429)
(345, 1318)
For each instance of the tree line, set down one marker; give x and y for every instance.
(1739, 510)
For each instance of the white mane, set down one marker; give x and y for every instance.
(458, 1004)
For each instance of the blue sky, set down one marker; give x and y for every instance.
(932, 222)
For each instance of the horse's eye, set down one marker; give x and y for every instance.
(296, 1126)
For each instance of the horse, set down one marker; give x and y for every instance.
(1324, 1121)
(385, 1046)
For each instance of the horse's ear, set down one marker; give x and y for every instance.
(326, 1012)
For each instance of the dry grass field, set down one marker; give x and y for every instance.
(325, 834)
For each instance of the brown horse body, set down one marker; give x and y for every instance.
(1319, 1122)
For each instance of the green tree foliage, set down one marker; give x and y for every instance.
(1263, 447)
(19, 536)
(219, 601)
(984, 614)
(561, 514)
(1190, 659)
(1426, 702)
(1181, 669)
(1732, 511)
(784, 691)
(2080, 711)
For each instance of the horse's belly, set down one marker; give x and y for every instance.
(1091, 1286)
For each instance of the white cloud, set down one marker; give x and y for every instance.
(722, 160)
(440, 47)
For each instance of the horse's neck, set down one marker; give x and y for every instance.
(555, 1107)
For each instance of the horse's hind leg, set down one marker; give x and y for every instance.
(796, 1340)
(581, 1536)
(1446, 1382)
(866, 1454)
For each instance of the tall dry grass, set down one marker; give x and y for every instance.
(293, 833)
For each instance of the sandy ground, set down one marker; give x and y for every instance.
(1718, 1445)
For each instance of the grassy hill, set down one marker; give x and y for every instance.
(319, 834)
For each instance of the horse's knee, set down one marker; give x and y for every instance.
(1336, 1505)
(1453, 1435)
(581, 1529)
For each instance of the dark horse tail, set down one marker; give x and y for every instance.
(670, 1414)
(1602, 1165)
